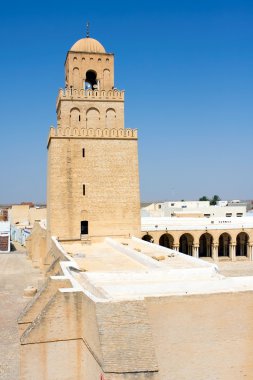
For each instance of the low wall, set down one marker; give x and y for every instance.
(66, 334)
(45, 256)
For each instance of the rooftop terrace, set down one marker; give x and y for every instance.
(127, 269)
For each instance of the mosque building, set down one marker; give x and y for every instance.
(114, 306)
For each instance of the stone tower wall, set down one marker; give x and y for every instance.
(109, 172)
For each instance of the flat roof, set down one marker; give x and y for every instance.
(126, 269)
(149, 223)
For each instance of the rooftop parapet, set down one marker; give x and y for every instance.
(126, 133)
(70, 94)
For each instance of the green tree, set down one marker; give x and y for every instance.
(214, 200)
(204, 198)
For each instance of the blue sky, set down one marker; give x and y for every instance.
(186, 67)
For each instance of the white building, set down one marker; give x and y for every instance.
(194, 209)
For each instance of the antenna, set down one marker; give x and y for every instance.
(87, 29)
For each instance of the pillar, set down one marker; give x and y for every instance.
(215, 252)
(175, 247)
(250, 252)
(195, 252)
(232, 251)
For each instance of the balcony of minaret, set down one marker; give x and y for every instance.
(91, 109)
(121, 134)
(90, 95)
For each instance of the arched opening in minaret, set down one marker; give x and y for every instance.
(91, 82)
(84, 227)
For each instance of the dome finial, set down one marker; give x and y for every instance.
(87, 29)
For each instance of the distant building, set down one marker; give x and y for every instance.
(4, 237)
(194, 209)
(22, 218)
(3, 214)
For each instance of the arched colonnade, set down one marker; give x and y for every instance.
(217, 246)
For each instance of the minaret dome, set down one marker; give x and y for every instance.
(88, 45)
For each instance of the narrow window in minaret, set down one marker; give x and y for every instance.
(83, 189)
(83, 152)
(79, 118)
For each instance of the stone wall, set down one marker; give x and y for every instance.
(109, 172)
(44, 254)
(203, 336)
(68, 335)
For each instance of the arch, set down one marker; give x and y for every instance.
(106, 77)
(110, 121)
(224, 245)
(205, 245)
(148, 238)
(92, 117)
(242, 240)
(75, 77)
(74, 116)
(186, 244)
(166, 240)
(91, 80)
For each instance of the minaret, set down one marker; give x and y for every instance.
(93, 181)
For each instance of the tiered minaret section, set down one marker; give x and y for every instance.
(93, 182)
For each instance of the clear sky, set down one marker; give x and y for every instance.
(186, 67)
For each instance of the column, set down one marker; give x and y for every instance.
(232, 254)
(250, 252)
(215, 252)
(195, 252)
(175, 247)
